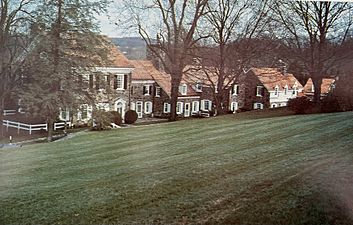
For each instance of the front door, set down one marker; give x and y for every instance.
(139, 109)
(187, 110)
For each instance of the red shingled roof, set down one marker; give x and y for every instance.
(272, 77)
(142, 70)
(117, 59)
(325, 86)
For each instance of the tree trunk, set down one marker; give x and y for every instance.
(50, 129)
(317, 89)
(173, 101)
(2, 106)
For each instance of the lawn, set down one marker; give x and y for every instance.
(226, 170)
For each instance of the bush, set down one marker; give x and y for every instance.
(300, 105)
(330, 104)
(130, 117)
(101, 120)
(116, 118)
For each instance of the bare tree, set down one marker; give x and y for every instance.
(14, 18)
(172, 40)
(314, 35)
(234, 25)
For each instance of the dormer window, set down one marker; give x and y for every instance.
(183, 89)
(198, 87)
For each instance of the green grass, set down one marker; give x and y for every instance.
(235, 169)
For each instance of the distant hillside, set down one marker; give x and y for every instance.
(132, 47)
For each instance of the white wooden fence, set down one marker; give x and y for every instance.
(33, 127)
(9, 112)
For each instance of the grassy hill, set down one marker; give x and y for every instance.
(226, 170)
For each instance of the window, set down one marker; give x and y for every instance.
(258, 105)
(183, 89)
(295, 90)
(274, 105)
(235, 90)
(206, 104)
(198, 87)
(83, 113)
(64, 115)
(107, 82)
(286, 90)
(148, 107)
(179, 108)
(158, 92)
(195, 106)
(276, 90)
(147, 89)
(103, 106)
(119, 82)
(259, 91)
(166, 107)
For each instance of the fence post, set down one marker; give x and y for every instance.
(30, 129)
(7, 126)
(18, 128)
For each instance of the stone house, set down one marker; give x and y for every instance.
(261, 88)
(109, 85)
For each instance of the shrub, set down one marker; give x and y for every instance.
(130, 117)
(330, 104)
(300, 105)
(116, 118)
(101, 120)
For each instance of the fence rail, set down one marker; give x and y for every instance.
(9, 112)
(32, 127)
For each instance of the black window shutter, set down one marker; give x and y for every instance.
(256, 90)
(238, 89)
(90, 81)
(263, 91)
(125, 81)
(150, 89)
(144, 90)
(115, 83)
(232, 91)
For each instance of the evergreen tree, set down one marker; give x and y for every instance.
(69, 47)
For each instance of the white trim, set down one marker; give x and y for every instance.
(114, 70)
(166, 105)
(195, 106)
(181, 107)
(148, 105)
(256, 104)
(157, 95)
(234, 106)
(139, 113)
(189, 97)
(257, 90)
(123, 102)
(142, 81)
(187, 112)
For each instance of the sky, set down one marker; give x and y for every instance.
(107, 22)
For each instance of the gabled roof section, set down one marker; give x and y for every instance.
(145, 70)
(206, 75)
(272, 77)
(326, 85)
(117, 58)
(142, 70)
